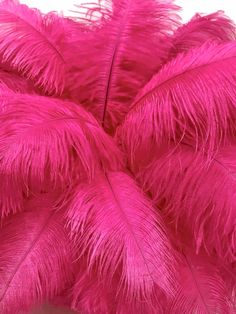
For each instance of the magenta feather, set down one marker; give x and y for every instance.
(121, 56)
(177, 104)
(202, 289)
(29, 45)
(112, 219)
(16, 83)
(198, 196)
(91, 294)
(12, 195)
(147, 230)
(214, 27)
(47, 141)
(32, 268)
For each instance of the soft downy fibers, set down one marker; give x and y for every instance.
(117, 159)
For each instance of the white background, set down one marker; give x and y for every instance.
(190, 7)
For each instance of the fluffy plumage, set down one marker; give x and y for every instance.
(91, 293)
(47, 141)
(198, 196)
(177, 104)
(139, 219)
(202, 289)
(29, 45)
(32, 268)
(214, 27)
(16, 83)
(121, 56)
(114, 222)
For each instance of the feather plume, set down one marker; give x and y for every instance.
(15, 83)
(203, 28)
(29, 45)
(201, 289)
(47, 141)
(118, 57)
(75, 227)
(114, 222)
(32, 268)
(91, 294)
(192, 98)
(200, 197)
(12, 195)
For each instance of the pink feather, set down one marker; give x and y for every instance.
(16, 83)
(114, 222)
(203, 28)
(76, 229)
(32, 268)
(202, 289)
(47, 141)
(177, 104)
(29, 45)
(91, 294)
(121, 56)
(199, 197)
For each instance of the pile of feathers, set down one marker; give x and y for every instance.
(117, 159)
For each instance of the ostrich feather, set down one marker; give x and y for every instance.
(47, 141)
(16, 83)
(32, 268)
(12, 195)
(91, 294)
(199, 196)
(192, 98)
(76, 225)
(114, 222)
(121, 55)
(201, 289)
(203, 28)
(29, 45)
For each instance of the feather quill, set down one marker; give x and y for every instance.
(46, 141)
(200, 197)
(192, 98)
(32, 268)
(203, 28)
(29, 45)
(114, 222)
(118, 57)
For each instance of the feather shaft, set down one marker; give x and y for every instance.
(113, 221)
(25, 262)
(117, 69)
